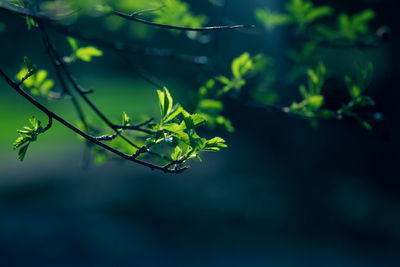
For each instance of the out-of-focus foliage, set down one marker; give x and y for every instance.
(35, 81)
(305, 55)
(356, 89)
(169, 12)
(349, 27)
(176, 12)
(303, 13)
(299, 12)
(82, 53)
(312, 97)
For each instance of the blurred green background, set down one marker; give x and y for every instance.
(282, 194)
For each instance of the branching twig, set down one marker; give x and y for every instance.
(88, 137)
(58, 61)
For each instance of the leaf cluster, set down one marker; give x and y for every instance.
(210, 104)
(298, 12)
(348, 27)
(177, 130)
(35, 81)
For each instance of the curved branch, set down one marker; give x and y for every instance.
(88, 137)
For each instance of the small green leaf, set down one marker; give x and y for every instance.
(27, 136)
(211, 105)
(86, 53)
(166, 102)
(315, 101)
(175, 111)
(73, 43)
(223, 80)
(215, 144)
(367, 125)
(29, 65)
(30, 23)
(271, 19)
(20, 142)
(126, 120)
(241, 65)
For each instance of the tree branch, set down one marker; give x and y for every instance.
(133, 17)
(88, 137)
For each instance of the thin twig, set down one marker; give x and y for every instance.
(179, 28)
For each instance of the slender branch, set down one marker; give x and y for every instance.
(136, 126)
(88, 137)
(132, 17)
(49, 124)
(82, 92)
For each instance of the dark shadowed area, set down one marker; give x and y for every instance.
(282, 194)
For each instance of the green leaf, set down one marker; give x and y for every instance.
(175, 111)
(223, 80)
(73, 43)
(215, 144)
(37, 83)
(86, 53)
(126, 120)
(210, 105)
(29, 65)
(22, 140)
(207, 88)
(367, 125)
(315, 101)
(174, 127)
(166, 102)
(271, 19)
(300, 12)
(46, 86)
(22, 152)
(353, 27)
(28, 134)
(177, 153)
(30, 23)
(241, 65)
(176, 12)
(355, 91)
(194, 121)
